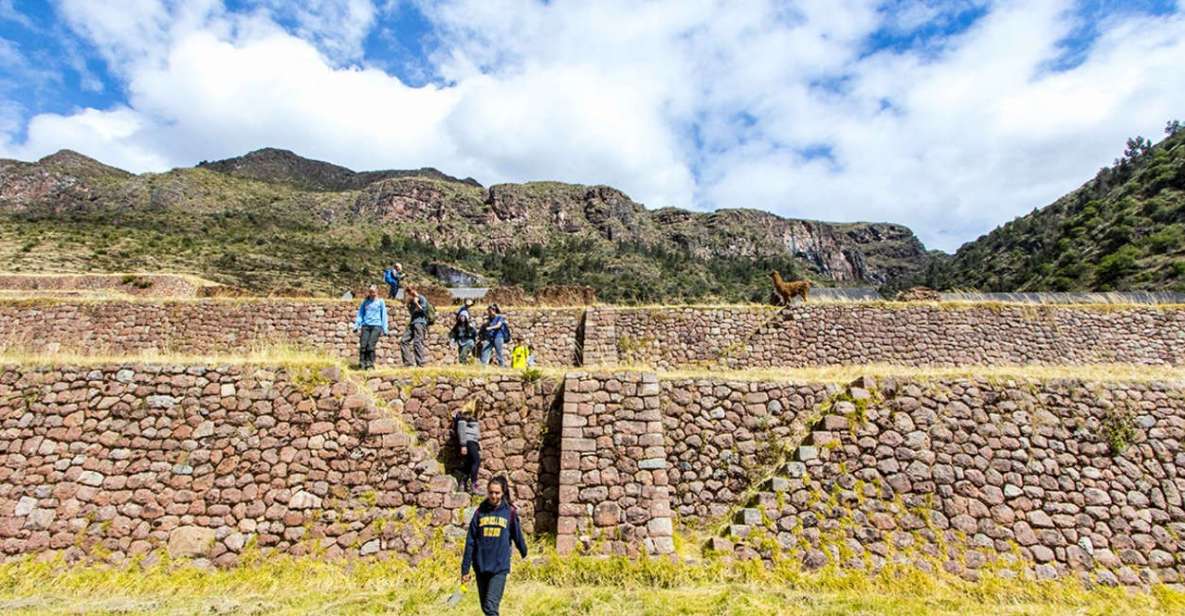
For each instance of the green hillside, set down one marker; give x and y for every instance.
(1123, 230)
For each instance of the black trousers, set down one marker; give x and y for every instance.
(368, 339)
(472, 461)
(489, 590)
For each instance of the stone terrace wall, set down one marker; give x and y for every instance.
(238, 326)
(122, 460)
(520, 431)
(720, 434)
(914, 335)
(982, 466)
(614, 488)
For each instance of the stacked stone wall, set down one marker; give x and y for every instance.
(520, 431)
(1071, 476)
(614, 487)
(116, 462)
(720, 434)
(881, 333)
(240, 326)
(205, 461)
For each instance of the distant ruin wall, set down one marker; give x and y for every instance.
(144, 285)
(880, 333)
(240, 326)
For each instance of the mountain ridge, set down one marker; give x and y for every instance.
(270, 218)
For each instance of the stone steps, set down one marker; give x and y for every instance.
(814, 450)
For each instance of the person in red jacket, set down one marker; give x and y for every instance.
(492, 528)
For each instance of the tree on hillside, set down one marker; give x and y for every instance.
(1137, 147)
(1172, 127)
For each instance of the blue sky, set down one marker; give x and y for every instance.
(949, 117)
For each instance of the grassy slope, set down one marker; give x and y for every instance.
(1124, 230)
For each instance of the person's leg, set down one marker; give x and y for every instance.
(362, 347)
(463, 350)
(486, 350)
(483, 585)
(405, 345)
(474, 461)
(493, 595)
(421, 332)
(498, 352)
(371, 343)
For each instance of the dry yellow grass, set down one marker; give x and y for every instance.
(267, 356)
(280, 355)
(549, 586)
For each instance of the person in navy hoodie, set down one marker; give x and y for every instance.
(487, 546)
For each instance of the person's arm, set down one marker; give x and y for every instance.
(516, 533)
(358, 317)
(470, 546)
(383, 308)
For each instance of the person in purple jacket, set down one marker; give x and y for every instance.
(492, 528)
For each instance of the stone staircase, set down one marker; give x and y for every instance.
(763, 507)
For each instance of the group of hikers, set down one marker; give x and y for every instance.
(485, 343)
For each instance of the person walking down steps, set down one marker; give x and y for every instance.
(469, 436)
(492, 528)
(370, 322)
(421, 314)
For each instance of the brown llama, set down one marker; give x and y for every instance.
(788, 290)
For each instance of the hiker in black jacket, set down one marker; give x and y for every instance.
(487, 546)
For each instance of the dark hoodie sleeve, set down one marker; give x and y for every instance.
(516, 533)
(470, 545)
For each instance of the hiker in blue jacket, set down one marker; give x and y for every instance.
(393, 277)
(494, 334)
(371, 322)
(487, 545)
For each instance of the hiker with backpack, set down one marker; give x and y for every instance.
(421, 314)
(495, 333)
(393, 277)
(464, 335)
(492, 528)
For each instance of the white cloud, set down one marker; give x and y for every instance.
(337, 27)
(698, 103)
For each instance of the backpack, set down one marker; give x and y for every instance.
(505, 329)
(429, 310)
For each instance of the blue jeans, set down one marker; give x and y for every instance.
(489, 591)
(491, 349)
